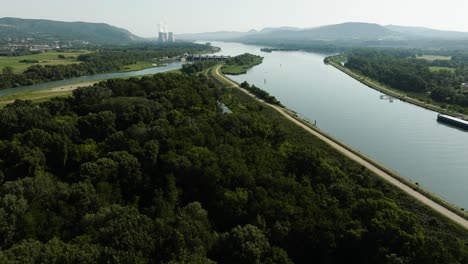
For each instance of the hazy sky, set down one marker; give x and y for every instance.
(187, 16)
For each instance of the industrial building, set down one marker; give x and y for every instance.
(164, 34)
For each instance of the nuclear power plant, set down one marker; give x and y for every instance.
(164, 34)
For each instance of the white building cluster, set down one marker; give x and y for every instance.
(164, 34)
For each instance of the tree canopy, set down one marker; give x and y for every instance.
(150, 170)
(439, 80)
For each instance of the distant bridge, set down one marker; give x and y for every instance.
(198, 57)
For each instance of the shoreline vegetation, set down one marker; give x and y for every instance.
(60, 91)
(90, 63)
(44, 95)
(261, 94)
(404, 96)
(415, 186)
(241, 64)
(143, 65)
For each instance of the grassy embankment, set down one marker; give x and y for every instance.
(436, 68)
(36, 97)
(231, 99)
(61, 91)
(45, 58)
(241, 64)
(419, 99)
(52, 58)
(434, 57)
(43, 95)
(138, 66)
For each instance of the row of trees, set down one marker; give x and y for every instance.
(400, 69)
(151, 170)
(262, 94)
(17, 52)
(102, 61)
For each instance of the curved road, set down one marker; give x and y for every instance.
(423, 199)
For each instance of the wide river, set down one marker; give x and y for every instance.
(405, 138)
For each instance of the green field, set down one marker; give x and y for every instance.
(435, 68)
(45, 58)
(434, 57)
(239, 69)
(138, 66)
(36, 97)
(246, 62)
(234, 70)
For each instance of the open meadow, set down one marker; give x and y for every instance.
(434, 57)
(45, 58)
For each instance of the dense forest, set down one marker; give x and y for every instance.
(102, 61)
(40, 31)
(151, 171)
(440, 80)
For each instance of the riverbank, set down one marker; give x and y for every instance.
(412, 189)
(43, 95)
(57, 91)
(140, 66)
(393, 92)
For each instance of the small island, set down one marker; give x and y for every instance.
(241, 64)
(270, 50)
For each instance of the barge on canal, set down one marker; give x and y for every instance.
(453, 121)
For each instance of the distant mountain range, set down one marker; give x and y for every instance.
(428, 32)
(47, 30)
(339, 32)
(229, 35)
(346, 34)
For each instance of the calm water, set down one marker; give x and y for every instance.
(401, 136)
(97, 77)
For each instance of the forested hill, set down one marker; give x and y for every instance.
(339, 37)
(429, 32)
(150, 170)
(345, 31)
(38, 29)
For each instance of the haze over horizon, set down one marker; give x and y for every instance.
(141, 17)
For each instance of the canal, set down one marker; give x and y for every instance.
(405, 138)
